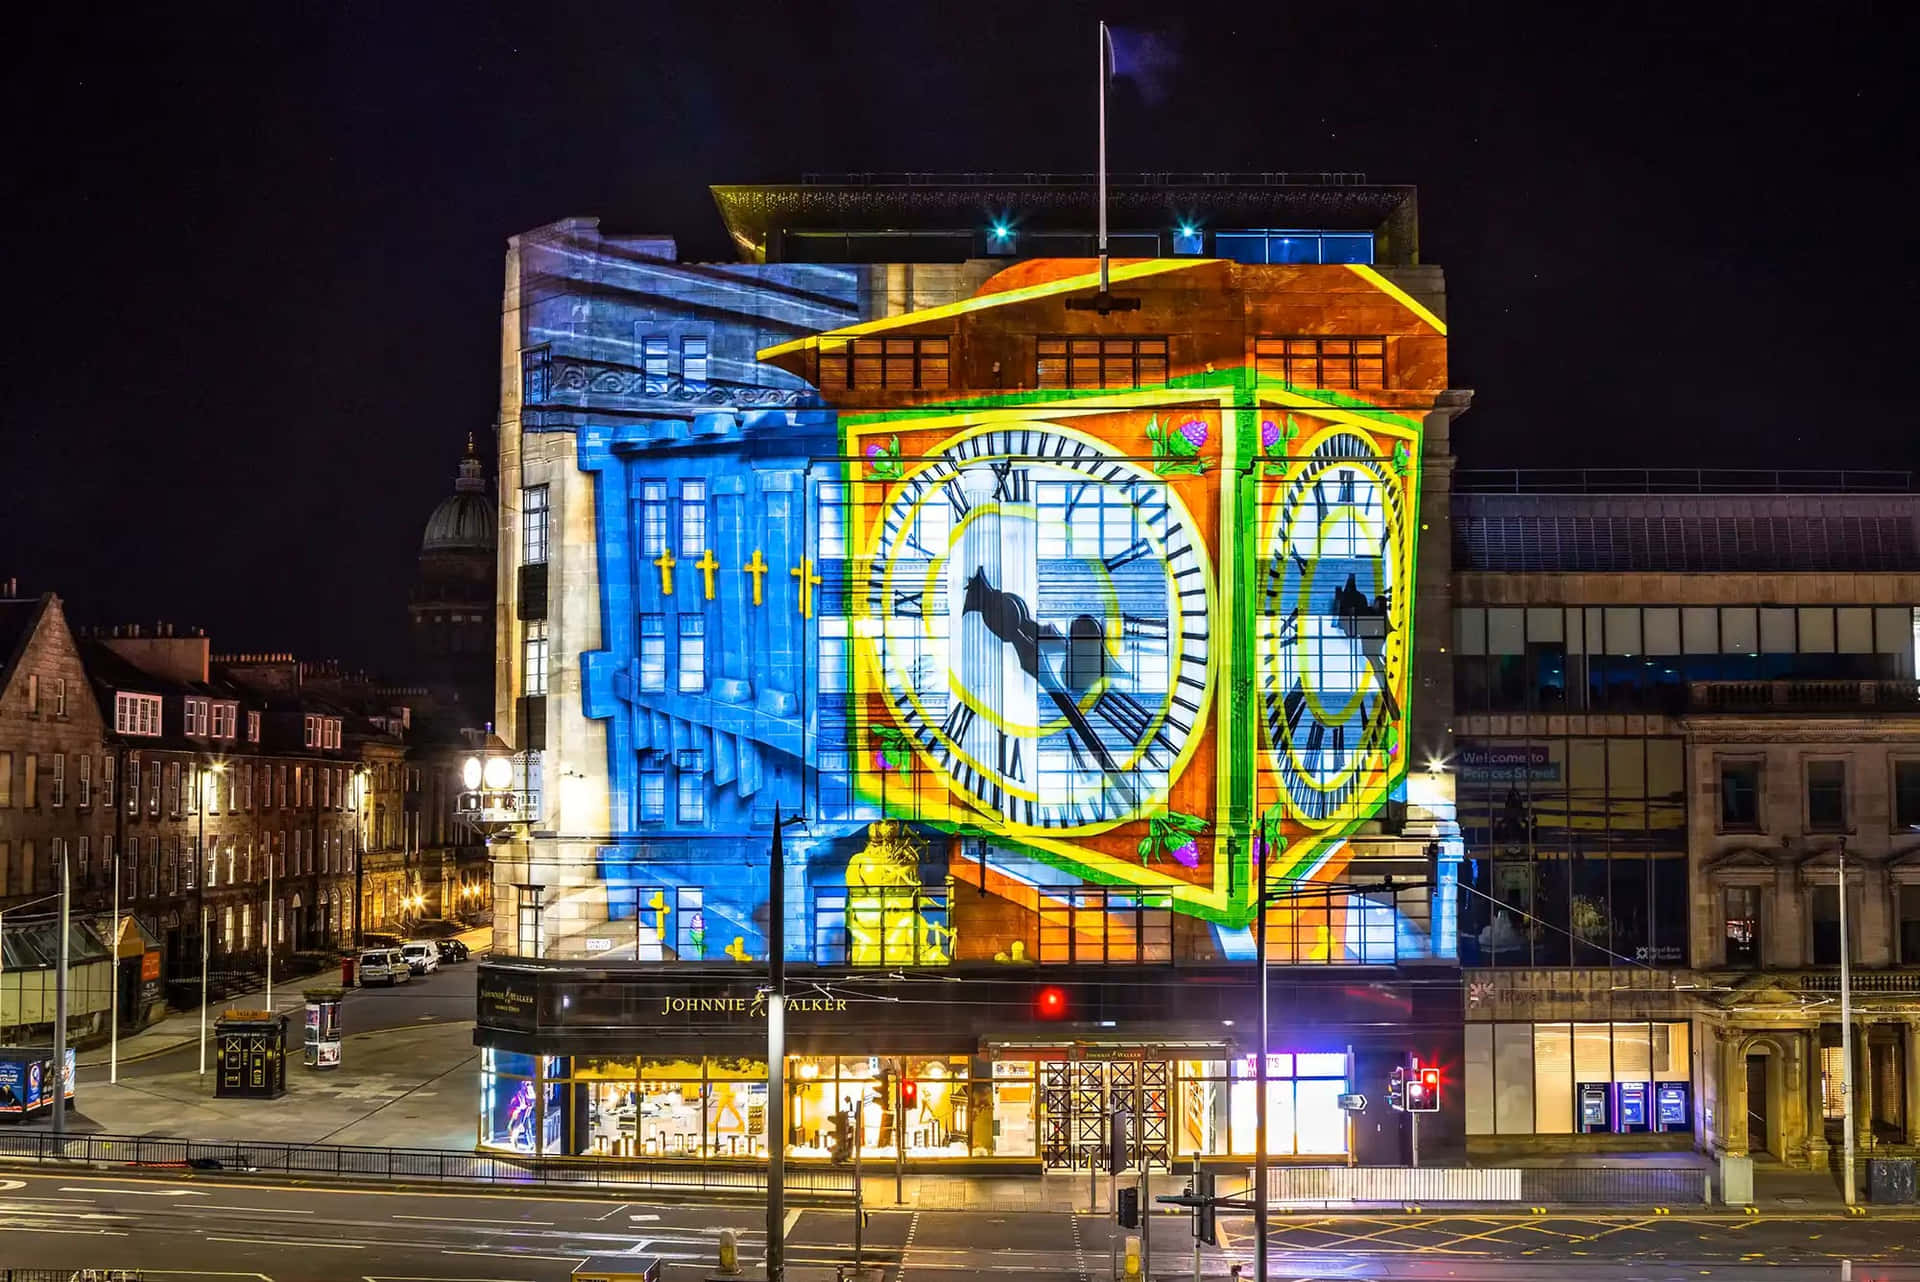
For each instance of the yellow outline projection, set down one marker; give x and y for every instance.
(1222, 600)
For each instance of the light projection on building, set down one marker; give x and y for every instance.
(1045, 669)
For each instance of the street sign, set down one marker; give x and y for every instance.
(1353, 1103)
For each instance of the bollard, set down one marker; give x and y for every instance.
(1133, 1257)
(729, 1251)
(1846, 1271)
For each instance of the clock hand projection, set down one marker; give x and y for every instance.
(1007, 617)
(1041, 626)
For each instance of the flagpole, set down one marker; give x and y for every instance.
(1103, 157)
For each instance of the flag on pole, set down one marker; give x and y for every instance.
(1145, 58)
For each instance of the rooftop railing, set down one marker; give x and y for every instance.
(1611, 480)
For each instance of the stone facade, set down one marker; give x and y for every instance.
(57, 774)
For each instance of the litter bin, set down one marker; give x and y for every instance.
(251, 1059)
(346, 971)
(1890, 1181)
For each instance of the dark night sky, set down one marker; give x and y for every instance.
(257, 248)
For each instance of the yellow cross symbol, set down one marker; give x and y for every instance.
(804, 573)
(738, 950)
(707, 565)
(758, 569)
(660, 910)
(666, 563)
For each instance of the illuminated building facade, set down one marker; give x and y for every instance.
(1059, 627)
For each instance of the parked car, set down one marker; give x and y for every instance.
(382, 966)
(452, 950)
(423, 958)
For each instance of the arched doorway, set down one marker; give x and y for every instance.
(296, 925)
(1764, 1063)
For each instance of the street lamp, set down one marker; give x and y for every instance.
(209, 781)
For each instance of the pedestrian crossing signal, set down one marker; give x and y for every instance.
(1397, 1089)
(1423, 1091)
(841, 1146)
(1127, 1209)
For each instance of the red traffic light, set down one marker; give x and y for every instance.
(909, 1092)
(1051, 1003)
(1431, 1077)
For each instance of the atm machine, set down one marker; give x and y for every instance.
(1672, 1105)
(1630, 1107)
(1592, 1097)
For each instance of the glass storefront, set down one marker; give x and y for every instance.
(711, 1108)
(1578, 1078)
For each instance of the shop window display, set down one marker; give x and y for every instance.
(939, 1105)
(509, 1112)
(1303, 1108)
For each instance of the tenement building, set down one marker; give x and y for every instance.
(1678, 710)
(1070, 609)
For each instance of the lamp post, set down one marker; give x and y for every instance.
(1260, 1074)
(205, 785)
(777, 1047)
(113, 1019)
(60, 1002)
(1846, 1038)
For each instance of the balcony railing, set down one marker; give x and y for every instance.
(1803, 696)
(1677, 480)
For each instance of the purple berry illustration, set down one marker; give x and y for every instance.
(874, 450)
(1187, 855)
(1195, 430)
(1269, 433)
(879, 759)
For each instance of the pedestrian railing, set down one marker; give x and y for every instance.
(1522, 1185)
(399, 1164)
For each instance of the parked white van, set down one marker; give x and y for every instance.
(383, 966)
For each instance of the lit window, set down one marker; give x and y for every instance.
(653, 652)
(85, 780)
(57, 792)
(693, 358)
(253, 727)
(1320, 362)
(59, 696)
(692, 797)
(535, 659)
(693, 518)
(1106, 926)
(653, 791)
(310, 736)
(224, 716)
(693, 654)
(657, 356)
(533, 525)
(653, 518)
(903, 363)
(136, 714)
(1102, 362)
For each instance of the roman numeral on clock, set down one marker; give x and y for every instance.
(959, 720)
(909, 603)
(1011, 484)
(1009, 758)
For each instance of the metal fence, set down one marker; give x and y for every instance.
(399, 1164)
(1521, 1185)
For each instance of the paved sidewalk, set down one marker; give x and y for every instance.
(409, 1087)
(182, 1028)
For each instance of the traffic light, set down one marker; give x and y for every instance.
(1204, 1227)
(1050, 1003)
(1127, 1209)
(910, 1093)
(1397, 1089)
(1423, 1091)
(841, 1148)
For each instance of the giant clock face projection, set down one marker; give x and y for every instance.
(1040, 619)
(1331, 629)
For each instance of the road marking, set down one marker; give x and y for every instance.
(252, 1210)
(642, 1219)
(494, 1255)
(281, 1241)
(786, 1231)
(463, 1219)
(615, 1211)
(65, 1188)
(10, 1185)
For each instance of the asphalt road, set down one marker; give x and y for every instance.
(181, 1227)
(445, 995)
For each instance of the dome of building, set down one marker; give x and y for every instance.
(465, 520)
